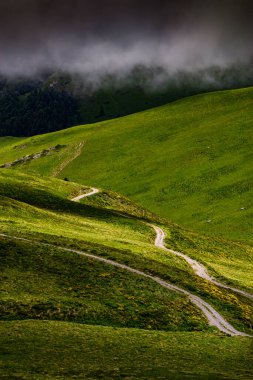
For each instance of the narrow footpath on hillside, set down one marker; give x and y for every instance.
(92, 192)
(198, 268)
(213, 317)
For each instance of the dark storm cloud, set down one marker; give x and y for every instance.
(100, 36)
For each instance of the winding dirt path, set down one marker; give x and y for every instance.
(213, 317)
(198, 268)
(92, 192)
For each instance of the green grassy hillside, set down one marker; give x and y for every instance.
(45, 290)
(67, 315)
(43, 282)
(189, 161)
(38, 209)
(55, 350)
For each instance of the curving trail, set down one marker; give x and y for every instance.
(213, 317)
(198, 268)
(92, 192)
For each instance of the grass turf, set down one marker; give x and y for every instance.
(47, 216)
(190, 160)
(56, 350)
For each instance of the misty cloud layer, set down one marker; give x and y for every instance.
(108, 36)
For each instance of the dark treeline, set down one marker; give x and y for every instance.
(59, 100)
(36, 111)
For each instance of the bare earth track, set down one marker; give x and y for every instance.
(213, 317)
(92, 192)
(198, 268)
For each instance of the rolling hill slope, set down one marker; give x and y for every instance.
(189, 161)
(37, 209)
(48, 287)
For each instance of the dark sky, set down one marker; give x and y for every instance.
(101, 36)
